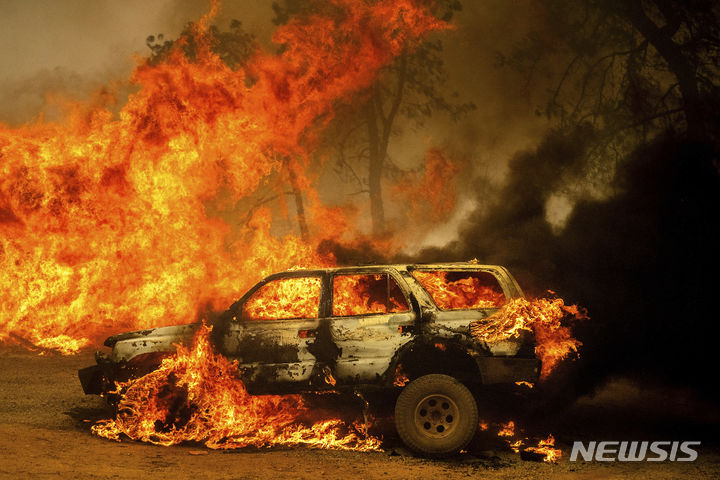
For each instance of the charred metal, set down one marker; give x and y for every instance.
(341, 352)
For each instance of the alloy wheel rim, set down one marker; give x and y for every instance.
(436, 416)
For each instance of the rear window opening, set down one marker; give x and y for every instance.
(461, 290)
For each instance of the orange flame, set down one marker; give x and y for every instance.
(401, 378)
(196, 396)
(508, 432)
(365, 294)
(285, 298)
(507, 429)
(547, 447)
(554, 342)
(110, 221)
(437, 195)
(523, 383)
(465, 293)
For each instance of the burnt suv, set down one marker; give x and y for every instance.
(353, 328)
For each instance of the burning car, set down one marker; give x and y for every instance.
(359, 328)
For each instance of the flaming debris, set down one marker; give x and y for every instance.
(507, 429)
(196, 396)
(542, 317)
(401, 378)
(103, 217)
(508, 432)
(547, 447)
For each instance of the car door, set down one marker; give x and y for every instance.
(272, 327)
(369, 321)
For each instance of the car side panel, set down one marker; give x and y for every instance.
(278, 346)
(368, 343)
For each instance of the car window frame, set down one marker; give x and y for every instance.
(404, 290)
(239, 306)
(450, 269)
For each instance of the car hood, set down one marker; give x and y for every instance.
(153, 332)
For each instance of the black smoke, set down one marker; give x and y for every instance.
(644, 261)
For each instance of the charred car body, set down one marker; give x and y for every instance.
(354, 328)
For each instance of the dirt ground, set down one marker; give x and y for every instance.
(45, 433)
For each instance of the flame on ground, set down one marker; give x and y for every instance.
(508, 432)
(507, 429)
(547, 448)
(196, 396)
(554, 342)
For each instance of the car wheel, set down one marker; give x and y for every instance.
(436, 415)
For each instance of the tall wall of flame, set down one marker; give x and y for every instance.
(102, 217)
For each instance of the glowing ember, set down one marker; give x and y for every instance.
(542, 317)
(471, 291)
(525, 384)
(515, 446)
(547, 447)
(507, 429)
(508, 432)
(107, 221)
(401, 378)
(196, 396)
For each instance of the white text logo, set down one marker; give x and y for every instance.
(635, 451)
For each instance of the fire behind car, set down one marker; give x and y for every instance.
(355, 328)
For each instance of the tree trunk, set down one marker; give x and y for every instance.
(379, 129)
(678, 63)
(375, 171)
(299, 205)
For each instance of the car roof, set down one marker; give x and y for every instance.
(395, 266)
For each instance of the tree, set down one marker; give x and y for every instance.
(629, 68)
(235, 47)
(410, 88)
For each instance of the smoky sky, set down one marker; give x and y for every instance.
(73, 47)
(54, 51)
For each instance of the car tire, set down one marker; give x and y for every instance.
(436, 415)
